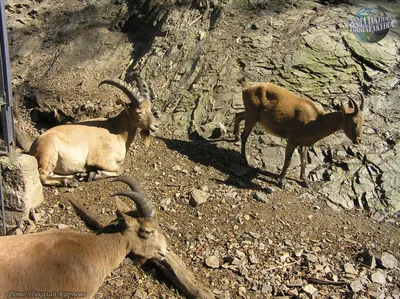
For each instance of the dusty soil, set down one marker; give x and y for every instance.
(294, 236)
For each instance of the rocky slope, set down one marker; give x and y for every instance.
(248, 239)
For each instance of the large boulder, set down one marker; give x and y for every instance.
(22, 189)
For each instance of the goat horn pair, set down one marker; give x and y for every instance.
(127, 90)
(144, 205)
(355, 105)
(142, 86)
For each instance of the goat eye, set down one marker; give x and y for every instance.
(145, 233)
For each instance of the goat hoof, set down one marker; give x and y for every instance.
(92, 176)
(281, 184)
(70, 183)
(306, 184)
(81, 175)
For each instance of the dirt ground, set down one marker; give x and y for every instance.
(294, 235)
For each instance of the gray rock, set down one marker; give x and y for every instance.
(356, 286)
(388, 261)
(22, 188)
(259, 196)
(198, 197)
(350, 269)
(378, 277)
(62, 226)
(212, 262)
(309, 289)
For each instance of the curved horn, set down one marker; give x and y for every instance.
(142, 86)
(128, 91)
(131, 183)
(362, 101)
(144, 205)
(355, 106)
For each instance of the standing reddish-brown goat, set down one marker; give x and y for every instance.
(299, 120)
(63, 262)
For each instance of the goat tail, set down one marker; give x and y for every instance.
(242, 81)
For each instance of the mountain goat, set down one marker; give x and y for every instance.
(59, 262)
(299, 120)
(94, 148)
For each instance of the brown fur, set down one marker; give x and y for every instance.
(299, 120)
(64, 260)
(94, 149)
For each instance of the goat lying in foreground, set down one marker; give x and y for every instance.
(62, 261)
(299, 120)
(95, 148)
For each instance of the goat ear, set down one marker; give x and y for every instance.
(121, 206)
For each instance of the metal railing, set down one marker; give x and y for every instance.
(5, 101)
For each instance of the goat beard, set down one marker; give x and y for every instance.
(146, 137)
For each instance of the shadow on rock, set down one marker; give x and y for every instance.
(225, 160)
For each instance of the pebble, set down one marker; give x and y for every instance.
(198, 197)
(212, 262)
(350, 269)
(261, 197)
(62, 226)
(356, 286)
(309, 289)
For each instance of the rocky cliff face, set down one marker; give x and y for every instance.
(306, 47)
(193, 57)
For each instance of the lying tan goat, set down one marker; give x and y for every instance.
(299, 120)
(94, 148)
(59, 262)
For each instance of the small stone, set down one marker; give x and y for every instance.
(139, 294)
(252, 257)
(378, 277)
(62, 226)
(261, 197)
(295, 283)
(212, 262)
(246, 217)
(255, 235)
(356, 286)
(242, 291)
(197, 169)
(349, 269)
(176, 168)
(266, 289)
(388, 261)
(309, 289)
(198, 197)
(312, 258)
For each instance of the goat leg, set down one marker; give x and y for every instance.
(303, 163)
(248, 127)
(290, 147)
(101, 174)
(238, 119)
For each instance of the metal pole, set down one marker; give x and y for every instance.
(3, 214)
(5, 83)
(5, 99)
